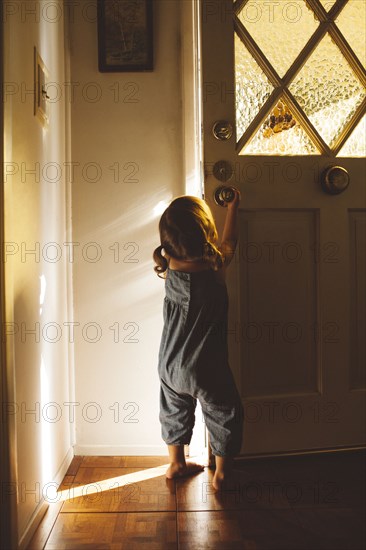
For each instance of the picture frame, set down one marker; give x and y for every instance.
(125, 35)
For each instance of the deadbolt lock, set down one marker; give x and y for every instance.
(222, 130)
(222, 170)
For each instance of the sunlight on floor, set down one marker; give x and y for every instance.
(112, 483)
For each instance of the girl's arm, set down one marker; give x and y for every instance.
(230, 234)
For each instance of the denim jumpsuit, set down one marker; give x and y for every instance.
(193, 363)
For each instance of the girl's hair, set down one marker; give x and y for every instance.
(187, 232)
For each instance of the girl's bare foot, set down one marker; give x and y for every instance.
(223, 471)
(178, 465)
(177, 470)
(219, 480)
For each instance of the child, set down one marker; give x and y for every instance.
(193, 355)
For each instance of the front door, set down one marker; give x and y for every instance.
(288, 77)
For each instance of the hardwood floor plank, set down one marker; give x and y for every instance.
(132, 531)
(89, 475)
(256, 488)
(40, 537)
(336, 480)
(241, 530)
(336, 528)
(66, 482)
(74, 466)
(135, 508)
(124, 461)
(120, 490)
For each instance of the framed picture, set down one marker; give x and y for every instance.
(125, 35)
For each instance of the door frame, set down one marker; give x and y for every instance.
(192, 139)
(8, 462)
(191, 89)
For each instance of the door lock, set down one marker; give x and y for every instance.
(222, 170)
(222, 130)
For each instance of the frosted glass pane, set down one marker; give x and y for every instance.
(355, 146)
(252, 87)
(327, 4)
(328, 90)
(281, 29)
(280, 134)
(352, 24)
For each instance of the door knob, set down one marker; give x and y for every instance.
(224, 195)
(334, 180)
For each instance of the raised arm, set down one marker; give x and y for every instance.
(230, 233)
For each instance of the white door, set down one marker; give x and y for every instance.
(289, 77)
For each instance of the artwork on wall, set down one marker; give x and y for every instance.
(125, 35)
(41, 103)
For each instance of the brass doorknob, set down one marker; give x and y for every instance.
(223, 195)
(334, 180)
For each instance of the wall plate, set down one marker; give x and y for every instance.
(41, 107)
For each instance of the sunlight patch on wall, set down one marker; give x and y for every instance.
(160, 207)
(45, 425)
(42, 292)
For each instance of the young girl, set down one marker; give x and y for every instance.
(193, 355)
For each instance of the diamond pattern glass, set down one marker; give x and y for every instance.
(355, 146)
(352, 24)
(328, 90)
(280, 134)
(326, 87)
(281, 29)
(252, 87)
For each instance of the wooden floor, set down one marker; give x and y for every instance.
(313, 502)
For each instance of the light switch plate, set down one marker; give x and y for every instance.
(41, 107)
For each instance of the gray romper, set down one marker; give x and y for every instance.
(193, 363)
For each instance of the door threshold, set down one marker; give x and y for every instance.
(301, 452)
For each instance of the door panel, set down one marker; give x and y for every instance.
(297, 283)
(279, 306)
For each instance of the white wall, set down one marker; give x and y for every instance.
(35, 215)
(140, 132)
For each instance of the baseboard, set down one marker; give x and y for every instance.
(121, 450)
(42, 507)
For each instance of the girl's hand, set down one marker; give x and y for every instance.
(233, 205)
